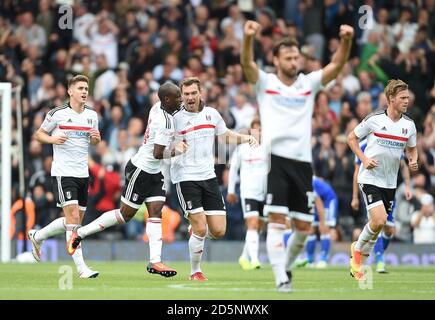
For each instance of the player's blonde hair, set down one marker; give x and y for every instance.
(394, 87)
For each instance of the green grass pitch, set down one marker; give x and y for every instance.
(127, 280)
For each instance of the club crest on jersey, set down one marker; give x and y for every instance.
(68, 194)
(135, 196)
(208, 117)
(404, 131)
(189, 204)
(269, 198)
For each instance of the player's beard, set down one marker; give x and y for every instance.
(290, 72)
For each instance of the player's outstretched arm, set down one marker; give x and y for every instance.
(250, 68)
(232, 137)
(43, 137)
(163, 152)
(340, 58)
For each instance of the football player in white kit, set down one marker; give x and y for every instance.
(70, 129)
(193, 172)
(389, 132)
(144, 180)
(253, 166)
(286, 102)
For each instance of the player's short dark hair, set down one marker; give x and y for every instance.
(284, 43)
(78, 78)
(189, 81)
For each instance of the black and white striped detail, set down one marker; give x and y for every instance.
(367, 201)
(130, 188)
(62, 203)
(168, 120)
(52, 112)
(183, 202)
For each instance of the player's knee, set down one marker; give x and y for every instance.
(127, 214)
(219, 233)
(199, 230)
(389, 231)
(379, 223)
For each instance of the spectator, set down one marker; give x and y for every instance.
(102, 34)
(423, 221)
(243, 112)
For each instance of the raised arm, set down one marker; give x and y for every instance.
(250, 68)
(339, 59)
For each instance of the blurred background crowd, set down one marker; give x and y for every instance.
(129, 47)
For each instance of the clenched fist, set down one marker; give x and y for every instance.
(346, 32)
(251, 28)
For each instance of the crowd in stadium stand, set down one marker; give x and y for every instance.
(129, 47)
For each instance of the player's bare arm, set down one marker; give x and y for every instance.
(232, 137)
(250, 30)
(44, 137)
(339, 59)
(355, 200)
(412, 155)
(163, 152)
(94, 137)
(406, 175)
(352, 141)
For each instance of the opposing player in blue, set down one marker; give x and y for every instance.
(388, 232)
(325, 217)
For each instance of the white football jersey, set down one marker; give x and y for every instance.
(160, 130)
(386, 141)
(286, 113)
(198, 131)
(70, 159)
(253, 164)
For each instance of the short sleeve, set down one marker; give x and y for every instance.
(315, 80)
(95, 122)
(412, 140)
(49, 123)
(164, 135)
(221, 127)
(364, 128)
(260, 85)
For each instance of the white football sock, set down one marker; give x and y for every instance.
(276, 252)
(106, 220)
(196, 248)
(295, 245)
(54, 228)
(245, 253)
(78, 254)
(368, 248)
(154, 233)
(366, 235)
(252, 239)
